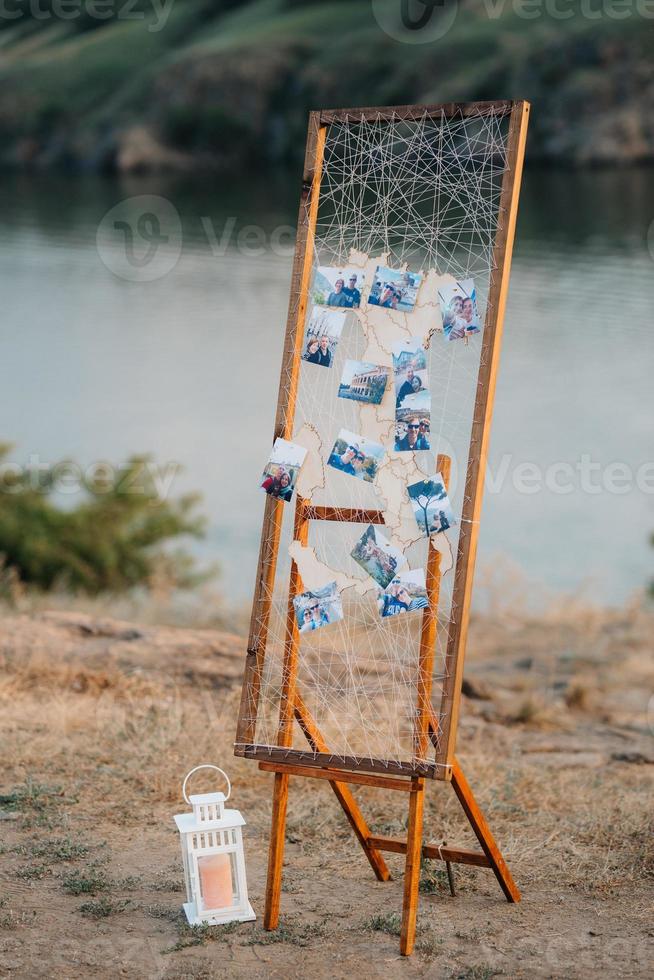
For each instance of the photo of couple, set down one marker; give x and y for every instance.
(407, 592)
(282, 469)
(431, 505)
(338, 287)
(322, 335)
(319, 608)
(458, 303)
(356, 456)
(394, 290)
(409, 368)
(412, 428)
(378, 557)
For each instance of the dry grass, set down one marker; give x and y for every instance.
(98, 730)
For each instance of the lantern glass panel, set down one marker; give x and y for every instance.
(216, 875)
(235, 877)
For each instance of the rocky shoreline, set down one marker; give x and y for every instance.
(231, 88)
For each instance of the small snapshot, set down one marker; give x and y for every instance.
(364, 382)
(431, 505)
(413, 423)
(405, 593)
(394, 290)
(412, 396)
(356, 456)
(322, 335)
(459, 308)
(282, 469)
(378, 557)
(409, 368)
(319, 608)
(337, 286)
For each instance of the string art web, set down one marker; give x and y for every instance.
(412, 195)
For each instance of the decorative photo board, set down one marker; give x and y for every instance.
(404, 244)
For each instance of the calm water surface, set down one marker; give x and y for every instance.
(186, 367)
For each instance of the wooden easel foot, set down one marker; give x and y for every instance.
(483, 834)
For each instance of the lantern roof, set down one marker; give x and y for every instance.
(187, 823)
(201, 799)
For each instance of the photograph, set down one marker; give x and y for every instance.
(356, 456)
(282, 469)
(334, 285)
(405, 593)
(413, 423)
(319, 608)
(458, 303)
(431, 505)
(322, 335)
(409, 368)
(364, 382)
(378, 557)
(394, 290)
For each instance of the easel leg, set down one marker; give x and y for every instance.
(284, 735)
(412, 868)
(343, 793)
(483, 833)
(276, 851)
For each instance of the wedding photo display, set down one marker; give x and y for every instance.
(405, 593)
(378, 557)
(458, 303)
(356, 456)
(335, 290)
(363, 382)
(282, 469)
(412, 396)
(394, 290)
(319, 608)
(322, 335)
(431, 505)
(338, 287)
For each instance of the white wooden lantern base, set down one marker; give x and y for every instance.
(217, 918)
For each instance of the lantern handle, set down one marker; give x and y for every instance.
(206, 765)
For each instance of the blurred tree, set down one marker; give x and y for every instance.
(111, 541)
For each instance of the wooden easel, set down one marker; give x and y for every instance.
(319, 762)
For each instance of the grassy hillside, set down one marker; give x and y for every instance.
(225, 83)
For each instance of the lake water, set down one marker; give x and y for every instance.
(95, 367)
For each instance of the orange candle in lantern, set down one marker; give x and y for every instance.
(216, 881)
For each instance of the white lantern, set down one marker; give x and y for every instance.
(212, 854)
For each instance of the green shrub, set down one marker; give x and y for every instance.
(111, 541)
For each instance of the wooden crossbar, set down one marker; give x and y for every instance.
(380, 114)
(332, 760)
(333, 775)
(435, 852)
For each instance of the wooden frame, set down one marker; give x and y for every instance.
(319, 762)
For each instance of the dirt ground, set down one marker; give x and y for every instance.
(101, 719)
